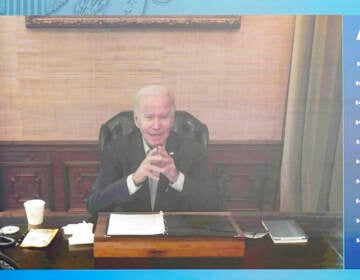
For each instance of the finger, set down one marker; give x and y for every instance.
(153, 176)
(155, 151)
(155, 168)
(149, 172)
(168, 156)
(167, 161)
(149, 167)
(163, 152)
(156, 159)
(160, 149)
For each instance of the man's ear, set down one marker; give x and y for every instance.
(136, 120)
(172, 119)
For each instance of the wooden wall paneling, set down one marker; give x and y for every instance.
(26, 180)
(271, 195)
(55, 152)
(2, 189)
(253, 169)
(63, 172)
(62, 154)
(79, 177)
(248, 180)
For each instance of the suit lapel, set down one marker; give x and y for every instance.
(136, 155)
(172, 145)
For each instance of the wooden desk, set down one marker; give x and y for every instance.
(324, 249)
(197, 242)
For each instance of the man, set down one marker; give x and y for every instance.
(152, 168)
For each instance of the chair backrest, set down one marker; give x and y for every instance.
(7, 263)
(185, 124)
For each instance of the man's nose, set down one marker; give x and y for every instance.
(156, 123)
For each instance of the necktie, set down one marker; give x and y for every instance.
(153, 186)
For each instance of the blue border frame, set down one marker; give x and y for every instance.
(350, 54)
(351, 140)
(284, 274)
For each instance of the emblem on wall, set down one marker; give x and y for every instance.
(81, 7)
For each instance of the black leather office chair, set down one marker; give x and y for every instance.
(7, 263)
(185, 125)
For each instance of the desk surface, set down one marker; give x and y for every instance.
(323, 250)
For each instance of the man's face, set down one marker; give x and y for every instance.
(154, 119)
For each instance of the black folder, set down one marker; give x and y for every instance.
(199, 225)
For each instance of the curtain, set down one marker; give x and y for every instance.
(311, 171)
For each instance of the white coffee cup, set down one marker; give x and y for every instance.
(34, 209)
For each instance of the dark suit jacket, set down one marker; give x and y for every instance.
(122, 157)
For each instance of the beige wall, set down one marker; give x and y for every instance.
(61, 84)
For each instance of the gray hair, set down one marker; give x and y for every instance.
(152, 90)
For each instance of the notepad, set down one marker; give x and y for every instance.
(136, 224)
(39, 237)
(285, 231)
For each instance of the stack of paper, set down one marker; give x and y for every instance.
(285, 231)
(136, 224)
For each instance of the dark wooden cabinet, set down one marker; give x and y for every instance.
(62, 173)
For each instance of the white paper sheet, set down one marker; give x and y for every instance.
(136, 224)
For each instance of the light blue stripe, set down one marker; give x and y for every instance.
(181, 274)
(261, 7)
(244, 7)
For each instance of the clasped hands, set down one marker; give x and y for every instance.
(157, 161)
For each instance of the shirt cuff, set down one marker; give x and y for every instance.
(178, 185)
(131, 185)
